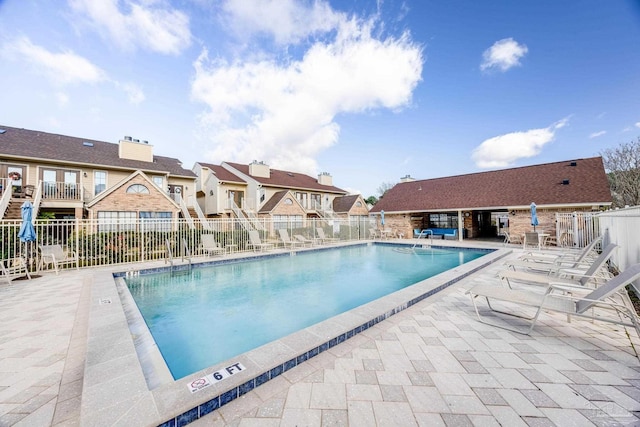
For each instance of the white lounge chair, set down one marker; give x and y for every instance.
(323, 238)
(588, 251)
(286, 240)
(556, 299)
(583, 260)
(210, 246)
(565, 275)
(57, 256)
(14, 268)
(256, 243)
(300, 238)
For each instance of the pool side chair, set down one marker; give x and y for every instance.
(13, 268)
(508, 238)
(588, 252)
(592, 276)
(256, 244)
(287, 241)
(300, 238)
(323, 238)
(210, 246)
(558, 298)
(57, 256)
(531, 240)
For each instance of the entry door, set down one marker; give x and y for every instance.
(15, 178)
(175, 192)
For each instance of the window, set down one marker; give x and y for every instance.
(109, 221)
(137, 189)
(155, 221)
(158, 180)
(287, 221)
(288, 201)
(99, 182)
(443, 221)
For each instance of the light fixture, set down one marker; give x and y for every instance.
(85, 174)
(211, 192)
(513, 213)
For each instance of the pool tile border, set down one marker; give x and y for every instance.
(227, 395)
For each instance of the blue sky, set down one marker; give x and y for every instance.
(367, 91)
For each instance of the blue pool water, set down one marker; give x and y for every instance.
(218, 312)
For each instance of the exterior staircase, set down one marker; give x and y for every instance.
(14, 210)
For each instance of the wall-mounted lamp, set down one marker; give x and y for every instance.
(513, 213)
(85, 174)
(211, 192)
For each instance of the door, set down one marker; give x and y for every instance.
(15, 178)
(175, 192)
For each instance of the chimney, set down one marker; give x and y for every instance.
(132, 149)
(259, 169)
(407, 178)
(325, 178)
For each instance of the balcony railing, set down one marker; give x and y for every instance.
(61, 191)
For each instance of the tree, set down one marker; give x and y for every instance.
(623, 167)
(384, 187)
(371, 200)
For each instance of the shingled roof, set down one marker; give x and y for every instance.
(223, 174)
(286, 179)
(53, 148)
(572, 182)
(345, 203)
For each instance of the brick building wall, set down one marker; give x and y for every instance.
(121, 201)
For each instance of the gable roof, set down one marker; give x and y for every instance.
(287, 179)
(542, 184)
(53, 148)
(273, 202)
(223, 174)
(345, 203)
(127, 180)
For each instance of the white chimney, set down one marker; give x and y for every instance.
(407, 178)
(259, 169)
(325, 178)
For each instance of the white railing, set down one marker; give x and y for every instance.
(185, 213)
(622, 227)
(580, 228)
(60, 191)
(201, 217)
(242, 219)
(37, 199)
(6, 196)
(255, 221)
(100, 242)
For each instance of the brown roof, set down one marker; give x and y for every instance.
(286, 179)
(542, 184)
(344, 203)
(223, 174)
(49, 147)
(273, 201)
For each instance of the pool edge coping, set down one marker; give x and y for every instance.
(115, 389)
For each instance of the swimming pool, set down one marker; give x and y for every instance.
(215, 313)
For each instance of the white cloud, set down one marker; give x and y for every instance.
(284, 113)
(503, 55)
(287, 21)
(61, 68)
(638, 125)
(504, 150)
(149, 24)
(133, 91)
(597, 134)
(62, 98)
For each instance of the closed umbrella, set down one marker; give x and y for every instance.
(382, 218)
(534, 216)
(27, 233)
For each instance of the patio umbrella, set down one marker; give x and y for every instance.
(534, 216)
(382, 218)
(27, 233)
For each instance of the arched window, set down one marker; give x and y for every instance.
(288, 201)
(137, 189)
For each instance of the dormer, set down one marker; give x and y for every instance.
(325, 178)
(133, 149)
(259, 169)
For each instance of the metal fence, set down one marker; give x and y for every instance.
(577, 229)
(101, 242)
(622, 227)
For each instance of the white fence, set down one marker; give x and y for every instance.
(577, 229)
(622, 227)
(100, 242)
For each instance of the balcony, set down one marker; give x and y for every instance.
(61, 191)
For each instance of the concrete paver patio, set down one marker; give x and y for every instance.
(431, 364)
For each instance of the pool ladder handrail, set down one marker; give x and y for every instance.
(186, 254)
(422, 232)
